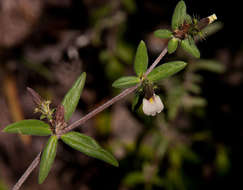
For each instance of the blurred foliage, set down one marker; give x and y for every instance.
(3, 185)
(169, 147)
(164, 156)
(103, 123)
(167, 152)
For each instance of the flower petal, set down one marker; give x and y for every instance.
(158, 103)
(148, 107)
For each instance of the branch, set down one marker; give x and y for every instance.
(98, 110)
(26, 174)
(161, 55)
(113, 100)
(77, 123)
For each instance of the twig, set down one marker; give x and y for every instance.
(99, 109)
(113, 100)
(86, 118)
(161, 55)
(26, 174)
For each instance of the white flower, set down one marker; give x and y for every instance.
(153, 105)
(212, 18)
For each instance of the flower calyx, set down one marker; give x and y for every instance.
(59, 121)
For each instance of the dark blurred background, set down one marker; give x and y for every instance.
(194, 144)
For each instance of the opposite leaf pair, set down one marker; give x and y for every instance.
(140, 66)
(151, 104)
(78, 141)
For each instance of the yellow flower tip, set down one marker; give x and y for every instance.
(151, 100)
(212, 18)
(36, 110)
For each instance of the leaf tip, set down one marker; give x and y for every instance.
(182, 2)
(114, 84)
(84, 74)
(40, 180)
(172, 45)
(197, 54)
(156, 33)
(4, 130)
(184, 63)
(116, 163)
(7, 129)
(142, 42)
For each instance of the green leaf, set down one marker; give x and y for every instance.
(172, 45)
(40, 69)
(210, 65)
(188, 19)
(222, 161)
(190, 47)
(72, 97)
(141, 59)
(114, 68)
(179, 15)
(125, 82)
(194, 88)
(174, 99)
(134, 178)
(166, 70)
(125, 52)
(136, 103)
(88, 146)
(162, 33)
(129, 5)
(196, 102)
(3, 185)
(47, 158)
(29, 127)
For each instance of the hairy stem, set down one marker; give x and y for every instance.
(161, 55)
(99, 109)
(26, 174)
